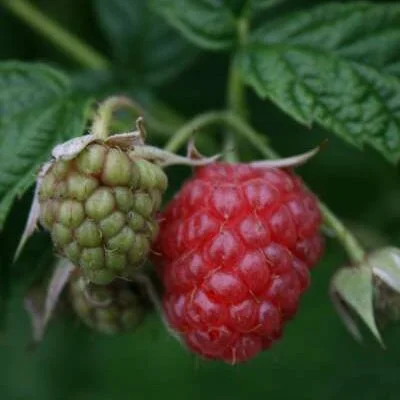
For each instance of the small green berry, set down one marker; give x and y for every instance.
(100, 209)
(114, 308)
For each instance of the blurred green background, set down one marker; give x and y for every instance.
(316, 359)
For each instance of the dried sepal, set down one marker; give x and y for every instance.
(40, 311)
(71, 148)
(192, 152)
(126, 141)
(34, 212)
(289, 162)
(34, 305)
(165, 158)
(141, 128)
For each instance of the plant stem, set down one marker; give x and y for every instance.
(353, 248)
(225, 118)
(102, 120)
(183, 134)
(65, 41)
(235, 91)
(235, 96)
(236, 100)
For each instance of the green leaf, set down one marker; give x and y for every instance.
(365, 32)
(322, 66)
(207, 23)
(142, 42)
(37, 110)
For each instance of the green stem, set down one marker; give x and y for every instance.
(224, 118)
(183, 134)
(235, 91)
(102, 120)
(242, 128)
(65, 41)
(234, 100)
(235, 103)
(353, 248)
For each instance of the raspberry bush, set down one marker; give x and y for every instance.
(136, 273)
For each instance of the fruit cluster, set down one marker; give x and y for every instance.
(233, 248)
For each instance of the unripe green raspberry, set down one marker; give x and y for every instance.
(115, 308)
(100, 209)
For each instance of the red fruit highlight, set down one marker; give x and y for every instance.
(235, 248)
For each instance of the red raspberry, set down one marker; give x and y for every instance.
(235, 247)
